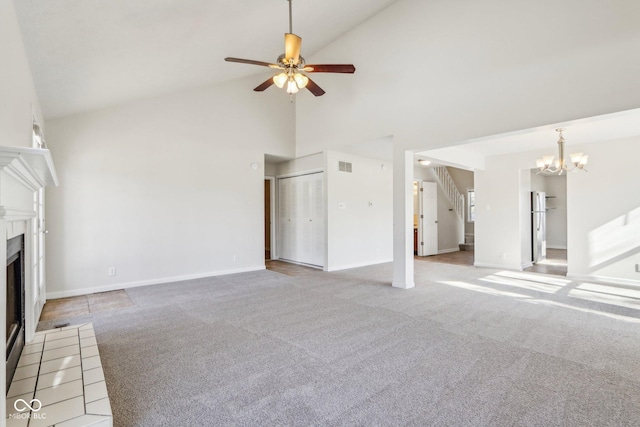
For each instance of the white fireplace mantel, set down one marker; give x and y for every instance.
(31, 167)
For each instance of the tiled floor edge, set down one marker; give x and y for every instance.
(73, 389)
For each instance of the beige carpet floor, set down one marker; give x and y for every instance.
(466, 347)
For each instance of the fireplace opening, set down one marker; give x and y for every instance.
(15, 304)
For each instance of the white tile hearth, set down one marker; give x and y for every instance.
(59, 382)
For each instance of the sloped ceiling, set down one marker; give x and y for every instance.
(90, 54)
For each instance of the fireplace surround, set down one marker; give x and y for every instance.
(15, 305)
(23, 171)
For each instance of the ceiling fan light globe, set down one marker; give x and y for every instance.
(292, 87)
(301, 80)
(280, 79)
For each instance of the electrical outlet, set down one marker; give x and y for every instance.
(503, 255)
(235, 258)
(111, 271)
(637, 268)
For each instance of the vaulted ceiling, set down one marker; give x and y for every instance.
(89, 54)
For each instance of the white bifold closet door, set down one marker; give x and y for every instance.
(301, 219)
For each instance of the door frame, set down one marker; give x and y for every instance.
(272, 203)
(422, 250)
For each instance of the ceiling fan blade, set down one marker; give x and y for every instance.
(330, 68)
(265, 85)
(292, 48)
(314, 88)
(251, 62)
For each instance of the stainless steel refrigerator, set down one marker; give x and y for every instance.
(538, 226)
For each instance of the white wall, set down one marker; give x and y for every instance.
(603, 208)
(19, 102)
(361, 233)
(162, 189)
(497, 227)
(270, 169)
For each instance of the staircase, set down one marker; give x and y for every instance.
(468, 243)
(450, 189)
(457, 201)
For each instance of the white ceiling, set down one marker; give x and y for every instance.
(607, 127)
(89, 54)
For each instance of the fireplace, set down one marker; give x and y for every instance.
(15, 304)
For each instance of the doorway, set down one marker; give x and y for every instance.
(425, 218)
(550, 211)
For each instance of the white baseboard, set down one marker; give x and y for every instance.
(126, 285)
(564, 248)
(447, 251)
(500, 266)
(358, 265)
(604, 279)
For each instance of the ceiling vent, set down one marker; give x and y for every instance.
(344, 167)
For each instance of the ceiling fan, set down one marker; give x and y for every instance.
(293, 67)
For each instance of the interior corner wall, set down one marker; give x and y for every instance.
(359, 212)
(603, 213)
(19, 101)
(162, 189)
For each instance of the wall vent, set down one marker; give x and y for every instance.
(344, 167)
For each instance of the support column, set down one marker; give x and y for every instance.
(402, 219)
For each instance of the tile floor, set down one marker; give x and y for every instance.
(555, 264)
(61, 370)
(85, 304)
(289, 268)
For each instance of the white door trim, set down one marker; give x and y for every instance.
(272, 202)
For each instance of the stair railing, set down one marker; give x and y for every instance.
(451, 191)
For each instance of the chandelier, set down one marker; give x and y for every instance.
(546, 164)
